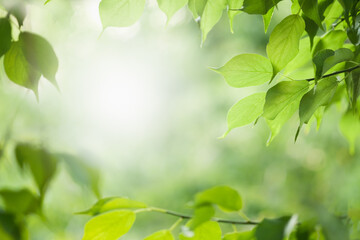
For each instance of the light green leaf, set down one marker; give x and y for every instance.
(41, 163)
(170, 7)
(283, 45)
(350, 128)
(5, 33)
(313, 100)
(202, 213)
(303, 58)
(234, 6)
(340, 55)
(282, 95)
(319, 113)
(40, 54)
(20, 201)
(249, 235)
(111, 203)
(331, 40)
(246, 70)
(259, 6)
(333, 11)
(206, 231)
(211, 15)
(228, 199)
(109, 226)
(267, 19)
(161, 235)
(120, 13)
(311, 10)
(273, 229)
(245, 111)
(197, 7)
(19, 70)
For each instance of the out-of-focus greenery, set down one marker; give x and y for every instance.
(141, 106)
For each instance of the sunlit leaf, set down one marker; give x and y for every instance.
(350, 128)
(109, 226)
(267, 19)
(111, 203)
(245, 111)
(208, 230)
(332, 40)
(161, 235)
(170, 7)
(20, 202)
(5, 33)
(120, 13)
(225, 197)
(259, 6)
(284, 40)
(202, 213)
(246, 70)
(234, 9)
(282, 95)
(211, 15)
(197, 7)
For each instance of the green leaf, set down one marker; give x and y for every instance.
(226, 198)
(283, 45)
(249, 235)
(332, 40)
(120, 13)
(202, 213)
(311, 10)
(350, 128)
(245, 111)
(259, 6)
(274, 229)
(282, 95)
(40, 54)
(41, 163)
(161, 235)
(109, 226)
(267, 19)
(246, 70)
(111, 203)
(234, 6)
(5, 33)
(19, 70)
(197, 7)
(81, 172)
(319, 60)
(206, 231)
(11, 228)
(311, 28)
(340, 55)
(170, 7)
(20, 202)
(211, 15)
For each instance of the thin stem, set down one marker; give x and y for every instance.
(335, 73)
(175, 224)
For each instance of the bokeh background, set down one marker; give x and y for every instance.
(141, 105)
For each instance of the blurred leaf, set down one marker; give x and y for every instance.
(245, 111)
(274, 229)
(282, 95)
(41, 163)
(109, 226)
(20, 202)
(170, 7)
(82, 173)
(228, 199)
(120, 13)
(161, 235)
(319, 113)
(5, 33)
(332, 227)
(267, 19)
(11, 228)
(208, 230)
(314, 99)
(211, 15)
(234, 6)
(202, 213)
(350, 128)
(19, 12)
(311, 10)
(111, 203)
(19, 70)
(284, 40)
(246, 70)
(249, 235)
(40, 54)
(259, 6)
(305, 230)
(197, 7)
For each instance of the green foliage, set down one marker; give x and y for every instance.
(161, 235)
(208, 230)
(20, 202)
(276, 229)
(170, 7)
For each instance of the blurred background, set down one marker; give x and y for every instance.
(141, 105)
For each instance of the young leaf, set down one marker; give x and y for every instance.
(249, 235)
(282, 95)
(41, 163)
(259, 6)
(226, 198)
(211, 15)
(273, 229)
(202, 213)
(5, 33)
(311, 10)
(350, 128)
(161, 235)
(20, 202)
(109, 226)
(197, 7)
(120, 13)
(111, 203)
(19, 70)
(283, 45)
(170, 7)
(40, 54)
(208, 230)
(267, 19)
(234, 6)
(246, 70)
(245, 111)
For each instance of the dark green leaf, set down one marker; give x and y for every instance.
(311, 10)
(225, 197)
(20, 202)
(319, 60)
(311, 28)
(274, 229)
(5, 33)
(259, 6)
(11, 228)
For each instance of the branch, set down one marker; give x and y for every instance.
(184, 216)
(335, 73)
